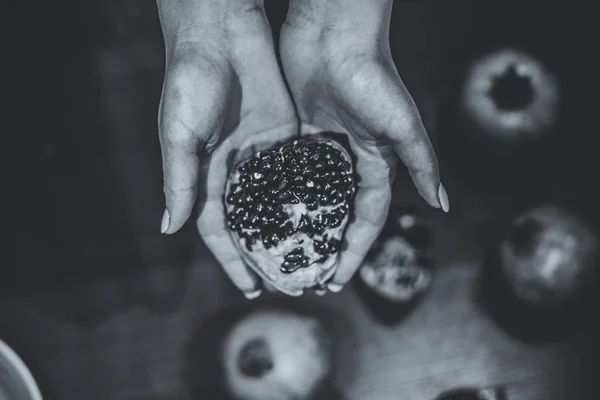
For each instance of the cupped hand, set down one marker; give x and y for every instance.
(337, 62)
(223, 98)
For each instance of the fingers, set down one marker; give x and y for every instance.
(362, 232)
(180, 168)
(219, 242)
(401, 123)
(212, 226)
(190, 115)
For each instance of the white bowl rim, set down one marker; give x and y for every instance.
(15, 361)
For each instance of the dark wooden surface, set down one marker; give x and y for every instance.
(101, 306)
(129, 337)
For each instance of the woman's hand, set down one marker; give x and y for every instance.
(338, 64)
(223, 99)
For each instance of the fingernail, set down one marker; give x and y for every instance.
(253, 295)
(166, 220)
(320, 292)
(334, 287)
(443, 197)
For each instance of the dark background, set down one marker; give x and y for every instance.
(101, 306)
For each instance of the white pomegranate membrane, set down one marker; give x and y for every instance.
(287, 209)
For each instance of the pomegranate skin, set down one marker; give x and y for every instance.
(503, 110)
(539, 280)
(399, 268)
(548, 256)
(288, 208)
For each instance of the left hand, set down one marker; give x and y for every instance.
(223, 99)
(338, 64)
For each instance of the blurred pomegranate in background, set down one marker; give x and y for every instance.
(542, 271)
(511, 95)
(549, 256)
(400, 266)
(278, 355)
(275, 347)
(499, 123)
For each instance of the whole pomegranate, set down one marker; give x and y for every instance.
(276, 355)
(287, 209)
(548, 257)
(505, 108)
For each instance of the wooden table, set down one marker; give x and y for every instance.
(127, 338)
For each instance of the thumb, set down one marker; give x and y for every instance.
(191, 112)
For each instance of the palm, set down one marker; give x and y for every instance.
(224, 107)
(254, 120)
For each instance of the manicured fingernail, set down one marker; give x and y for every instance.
(253, 295)
(443, 197)
(334, 287)
(166, 220)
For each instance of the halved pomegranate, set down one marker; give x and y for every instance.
(276, 355)
(500, 113)
(287, 209)
(399, 267)
(511, 95)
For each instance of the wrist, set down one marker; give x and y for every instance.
(356, 18)
(187, 21)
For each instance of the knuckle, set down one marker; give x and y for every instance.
(407, 126)
(174, 133)
(245, 9)
(239, 275)
(354, 68)
(170, 189)
(212, 235)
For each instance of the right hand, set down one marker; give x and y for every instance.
(223, 98)
(337, 60)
